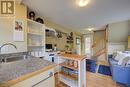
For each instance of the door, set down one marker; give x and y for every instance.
(47, 83)
(88, 43)
(45, 79)
(78, 46)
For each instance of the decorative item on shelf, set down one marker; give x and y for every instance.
(50, 32)
(69, 72)
(47, 32)
(70, 38)
(40, 20)
(67, 47)
(59, 34)
(32, 15)
(67, 62)
(55, 47)
(75, 64)
(71, 62)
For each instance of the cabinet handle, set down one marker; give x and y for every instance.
(50, 75)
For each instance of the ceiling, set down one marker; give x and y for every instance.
(67, 13)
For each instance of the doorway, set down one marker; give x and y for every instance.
(87, 45)
(78, 46)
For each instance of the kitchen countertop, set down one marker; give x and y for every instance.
(11, 71)
(75, 57)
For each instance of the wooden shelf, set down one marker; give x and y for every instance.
(36, 34)
(34, 22)
(68, 66)
(73, 57)
(68, 76)
(61, 84)
(34, 45)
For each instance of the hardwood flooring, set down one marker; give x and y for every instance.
(98, 80)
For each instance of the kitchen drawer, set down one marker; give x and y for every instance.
(45, 79)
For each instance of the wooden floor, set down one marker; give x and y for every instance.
(98, 80)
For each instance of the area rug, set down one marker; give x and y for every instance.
(105, 70)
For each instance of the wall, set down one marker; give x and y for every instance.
(118, 36)
(6, 30)
(83, 42)
(62, 41)
(98, 35)
(118, 32)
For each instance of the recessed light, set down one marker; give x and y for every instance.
(82, 3)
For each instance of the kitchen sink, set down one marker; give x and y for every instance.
(13, 58)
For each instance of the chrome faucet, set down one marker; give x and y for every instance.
(8, 44)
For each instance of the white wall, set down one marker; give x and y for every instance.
(6, 30)
(114, 47)
(118, 32)
(61, 42)
(118, 36)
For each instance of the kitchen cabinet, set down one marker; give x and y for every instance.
(45, 79)
(45, 83)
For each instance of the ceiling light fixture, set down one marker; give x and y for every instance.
(82, 3)
(90, 29)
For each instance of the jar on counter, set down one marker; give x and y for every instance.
(76, 64)
(71, 62)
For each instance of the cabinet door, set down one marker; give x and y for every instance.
(45, 79)
(47, 83)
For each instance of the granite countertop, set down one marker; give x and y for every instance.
(13, 70)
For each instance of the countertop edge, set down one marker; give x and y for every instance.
(24, 77)
(74, 57)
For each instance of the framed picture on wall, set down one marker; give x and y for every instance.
(19, 30)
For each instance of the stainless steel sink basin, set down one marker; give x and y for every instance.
(13, 58)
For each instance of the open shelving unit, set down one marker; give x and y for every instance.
(36, 37)
(68, 66)
(33, 33)
(34, 22)
(69, 74)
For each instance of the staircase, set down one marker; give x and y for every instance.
(99, 46)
